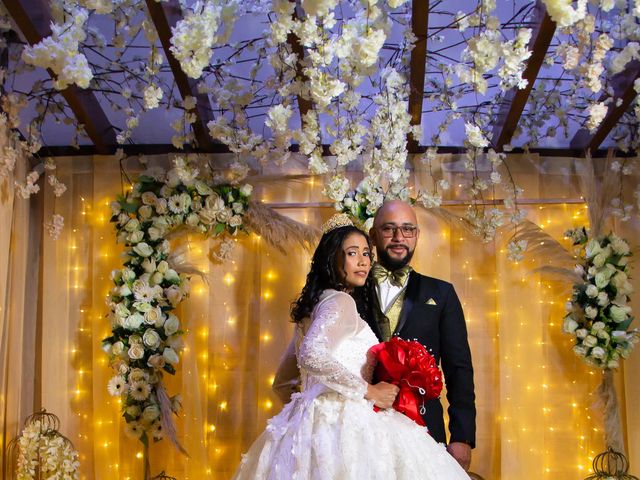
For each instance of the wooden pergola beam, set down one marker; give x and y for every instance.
(417, 68)
(516, 99)
(623, 95)
(304, 105)
(33, 19)
(167, 14)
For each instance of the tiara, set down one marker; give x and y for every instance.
(336, 221)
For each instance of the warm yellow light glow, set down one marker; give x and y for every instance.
(266, 337)
(268, 404)
(222, 405)
(139, 455)
(267, 295)
(228, 279)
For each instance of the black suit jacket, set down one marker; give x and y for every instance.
(442, 330)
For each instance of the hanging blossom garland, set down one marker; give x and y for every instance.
(43, 452)
(146, 335)
(599, 315)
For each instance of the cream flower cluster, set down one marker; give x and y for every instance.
(193, 37)
(44, 453)
(146, 334)
(563, 13)
(60, 52)
(599, 315)
(54, 226)
(362, 203)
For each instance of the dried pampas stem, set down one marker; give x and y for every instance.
(166, 418)
(608, 400)
(278, 230)
(542, 245)
(599, 192)
(176, 260)
(449, 217)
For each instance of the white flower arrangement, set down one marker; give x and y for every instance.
(44, 453)
(599, 316)
(146, 335)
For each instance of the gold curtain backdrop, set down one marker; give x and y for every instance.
(536, 415)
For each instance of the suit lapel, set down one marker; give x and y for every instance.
(410, 296)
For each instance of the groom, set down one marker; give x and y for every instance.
(414, 306)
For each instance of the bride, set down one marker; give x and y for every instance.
(329, 430)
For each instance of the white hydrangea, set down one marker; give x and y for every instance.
(337, 187)
(60, 52)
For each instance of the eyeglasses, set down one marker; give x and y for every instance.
(408, 231)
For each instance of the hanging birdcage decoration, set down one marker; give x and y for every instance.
(163, 476)
(41, 451)
(611, 465)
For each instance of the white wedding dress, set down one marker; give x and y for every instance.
(329, 431)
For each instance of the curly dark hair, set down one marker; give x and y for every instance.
(324, 274)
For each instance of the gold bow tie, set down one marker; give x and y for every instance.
(397, 277)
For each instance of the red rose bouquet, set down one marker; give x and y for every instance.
(409, 366)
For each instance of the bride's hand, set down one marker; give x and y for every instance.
(383, 394)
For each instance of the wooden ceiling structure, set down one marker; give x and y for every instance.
(33, 20)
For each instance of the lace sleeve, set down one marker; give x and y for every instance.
(334, 319)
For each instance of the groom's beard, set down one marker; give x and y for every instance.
(393, 264)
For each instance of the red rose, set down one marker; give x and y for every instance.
(408, 365)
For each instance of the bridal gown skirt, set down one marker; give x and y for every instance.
(331, 437)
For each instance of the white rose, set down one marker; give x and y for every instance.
(618, 280)
(223, 215)
(153, 316)
(136, 351)
(618, 313)
(174, 295)
(116, 276)
(155, 233)
(122, 311)
(149, 265)
(133, 411)
(590, 341)
(600, 259)
(592, 291)
(570, 325)
(170, 355)
(591, 312)
(172, 325)
(136, 237)
(132, 225)
(603, 299)
(117, 348)
(149, 198)
(142, 306)
(593, 248)
(172, 276)
(603, 335)
(151, 338)
(582, 332)
(163, 266)
(134, 321)
(143, 249)
(156, 278)
(235, 221)
(237, 207)
(246, 189)
(597, 326)
(613, 364)
(145, 212)
(580, 350)
(124, 290)
(602, 279)
(598, 352)
(162, 206)
(150, 413)
(192, 220)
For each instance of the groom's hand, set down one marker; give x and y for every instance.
(383, 394)
(461, 452)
